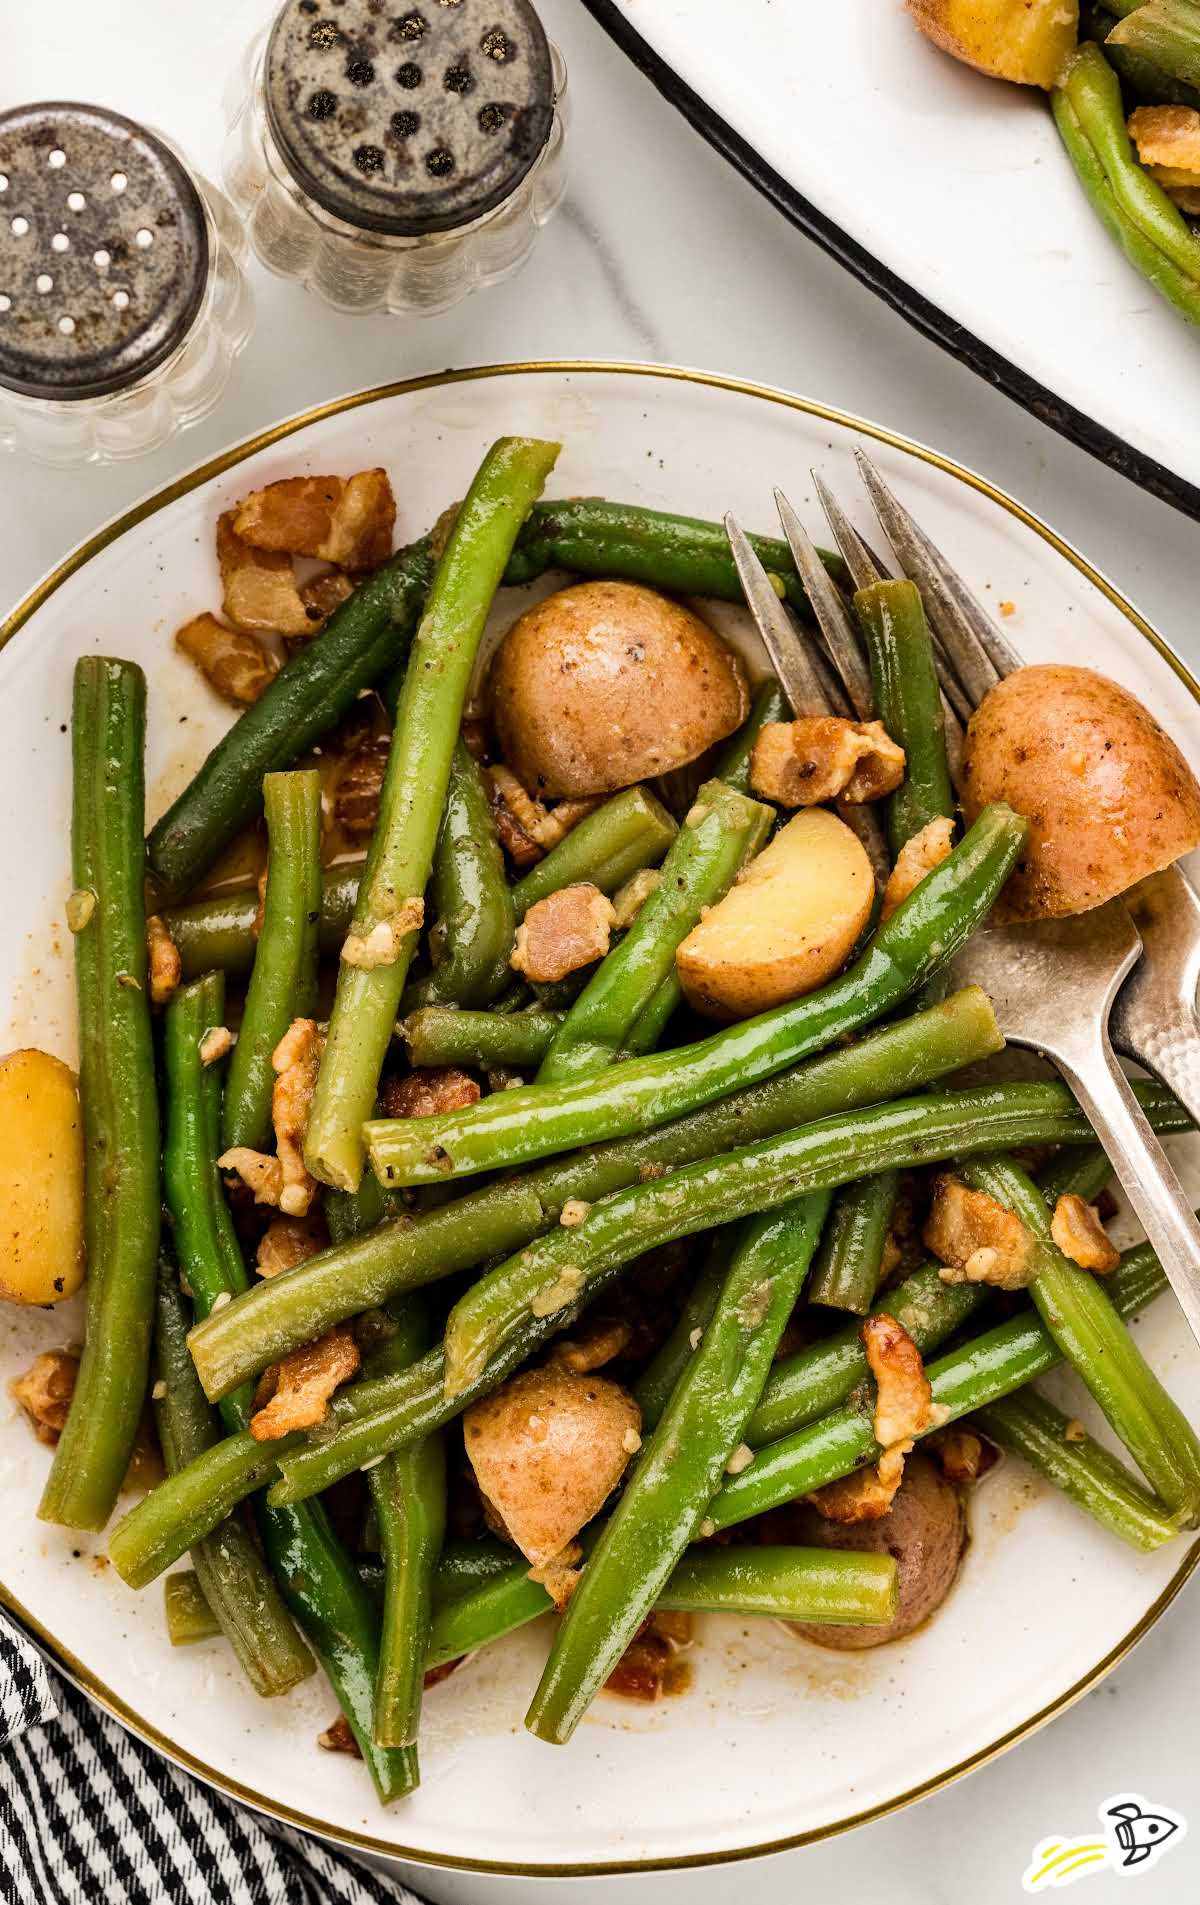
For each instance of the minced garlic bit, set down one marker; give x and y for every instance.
(741, 1459)
(631, 1442)
(629, 899)
(917, 857)
(216, 1044)
(557, 1295)
(573, 1212)
(696, 1337)
(1074, 1431)
(128, 983)
(219, 1302)
(707, 1529)
(162, 960)
(81, 904)
(159, 1391)
(381, 946)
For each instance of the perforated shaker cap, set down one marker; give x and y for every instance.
(409, 116)
(103, 251)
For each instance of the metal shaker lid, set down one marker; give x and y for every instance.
(103, 251)
(409, 116)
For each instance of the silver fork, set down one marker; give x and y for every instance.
(1053, 984)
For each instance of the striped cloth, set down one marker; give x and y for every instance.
(88, 1813)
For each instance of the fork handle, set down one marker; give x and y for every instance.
(1142, 1168)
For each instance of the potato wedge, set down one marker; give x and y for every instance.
(786, 926)
(606, 683)
(1029, 41)
(41, 1179)
(1108, 795)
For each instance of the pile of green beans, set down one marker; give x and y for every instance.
(117, 1089)
(391, 895)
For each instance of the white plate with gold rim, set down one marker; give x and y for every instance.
(777, 1742)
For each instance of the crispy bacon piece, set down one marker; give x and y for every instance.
(862, 1496)
(347, 520)
(163, 961)
(963, 1455)
(527, 827)
(1079, 1234)
(563, 932)
(358, 787)
(821, 757)
(976, 1239)
(916, 858)
(428, 1090)
(295, 1062)
(233, 663)
(44, 1392)
(259, 586)
(338, 1738)
(595, 1343)
(258, 1171)
(321, 594)
(294, 1393)
(1167, 139)
(650, 1665)
(288, 1241)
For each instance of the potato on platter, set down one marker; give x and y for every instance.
(1108, 795)
(1029, 41)
(608, 683)
(41, 1179)
(788, 924)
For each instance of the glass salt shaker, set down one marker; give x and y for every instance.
(122, 300)
(397, 159)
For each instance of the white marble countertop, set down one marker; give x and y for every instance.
(661, 252)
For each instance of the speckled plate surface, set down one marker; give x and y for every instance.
(776, 1742)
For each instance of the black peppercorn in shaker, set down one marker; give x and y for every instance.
(397, 158)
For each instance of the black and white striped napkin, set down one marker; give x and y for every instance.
(88, 1814)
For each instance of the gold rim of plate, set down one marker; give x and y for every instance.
(63, 1657)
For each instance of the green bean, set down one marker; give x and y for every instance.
(680, 553)
(515, 1127)
(1076, 1309)
(408, 1493)
(1151, 231)
(787, 1584)
(283, 1312)
(230, 1573)
(657, 1381)
(721, 831)
(1166, 33)
(318, 1580)
(441, 1035)
(185, 1507)
(1093, 1477)
(909, 704)
(221, 933)
(679, 1468)
(383, 933)
(473, 936)
(631, 831)
(815, 1380)
(557, 1268)
(966, 1379)
(189, 1616)
(733, 763)
(848, 1266)
(283, 984)
(368, 634)
(116, 1077)
(908, 701)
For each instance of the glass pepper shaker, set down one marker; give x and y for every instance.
(122, 299)
(397, 158)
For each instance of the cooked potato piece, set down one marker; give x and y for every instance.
(1167, 139)
(1029, 41)
(41, 1179)
(347, 520)
(786, 925)
(548, 1448)
(1109, 797)
(925, 1530)
(608, 682)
